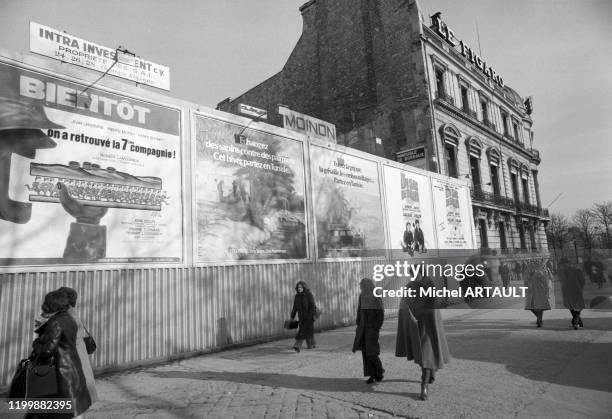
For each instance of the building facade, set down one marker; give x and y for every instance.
(411, 90)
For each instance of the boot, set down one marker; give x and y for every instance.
(426, 376)
(539, 321)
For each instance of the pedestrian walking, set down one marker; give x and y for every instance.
(305, 308)
(56, 345)
(370, 317)
(518, 271)
(572, 285)
(72, 296)
(504, 273)
(539, 295)
(598, 273)
(420, 333)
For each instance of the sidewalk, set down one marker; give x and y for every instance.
(503, 366)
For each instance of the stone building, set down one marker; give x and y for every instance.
(412, 90)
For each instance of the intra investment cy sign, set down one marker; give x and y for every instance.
(308, 125)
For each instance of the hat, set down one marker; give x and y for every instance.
(15, 114)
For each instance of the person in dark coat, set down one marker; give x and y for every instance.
(370, 317)
(56, 343)
(598, 273)
(572, 284)
(518, 271)
(419, 237)
(305, 308)
(420, 333)
(504, 273)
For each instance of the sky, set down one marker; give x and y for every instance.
(558, 51)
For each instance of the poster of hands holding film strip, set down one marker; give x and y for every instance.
(86, 176)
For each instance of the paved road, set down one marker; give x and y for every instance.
(503, 367)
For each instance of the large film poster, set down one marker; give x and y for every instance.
(250, 194)
(409, 207)
(86, 176)
(453, 215)
(347, 205)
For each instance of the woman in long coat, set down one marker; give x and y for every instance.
(420, 333)
(56, 343)
(80, 344)
(572, 284)
(539, 295)
(370, 317)
(305, 308)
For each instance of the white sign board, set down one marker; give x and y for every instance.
(308, 125)
(252, 111)
(65, 47)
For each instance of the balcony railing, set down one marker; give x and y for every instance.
(524, 208)
(489, 124)
(445, 97)
(535, 155)
(522, 251)
(478, 195)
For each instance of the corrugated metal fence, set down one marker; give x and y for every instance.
(140, 315)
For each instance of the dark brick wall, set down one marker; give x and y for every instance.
(358, 64)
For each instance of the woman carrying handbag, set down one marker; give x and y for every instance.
(305, 308)
(56, 346)
(83, 340)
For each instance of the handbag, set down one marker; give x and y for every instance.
(291, 324)
(90, 343)
(41, 380)
(17, 390)
(317, 313)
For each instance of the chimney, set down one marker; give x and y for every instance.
(308, 13)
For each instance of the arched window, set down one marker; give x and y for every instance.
(474, 150)
(494, 157)
(450, 134)
(450, 141)
(474, 146)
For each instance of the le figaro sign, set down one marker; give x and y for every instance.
(448, 34)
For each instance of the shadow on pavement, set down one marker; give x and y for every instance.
(289, 381)
(533, 355)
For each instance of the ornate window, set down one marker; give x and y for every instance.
(450, 141)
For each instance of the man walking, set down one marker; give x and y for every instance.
(572, 284)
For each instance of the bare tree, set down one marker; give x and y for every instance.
(584, 221)
(602, 212)
(558, 230)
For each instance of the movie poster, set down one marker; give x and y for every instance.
(410, 213)
(347, 205)
(453, 215)
(249, 194)
(86, 176)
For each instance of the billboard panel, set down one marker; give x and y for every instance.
(249, 194)
(453, 214)
(87, 177)
(347, 205)
(409, 212)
